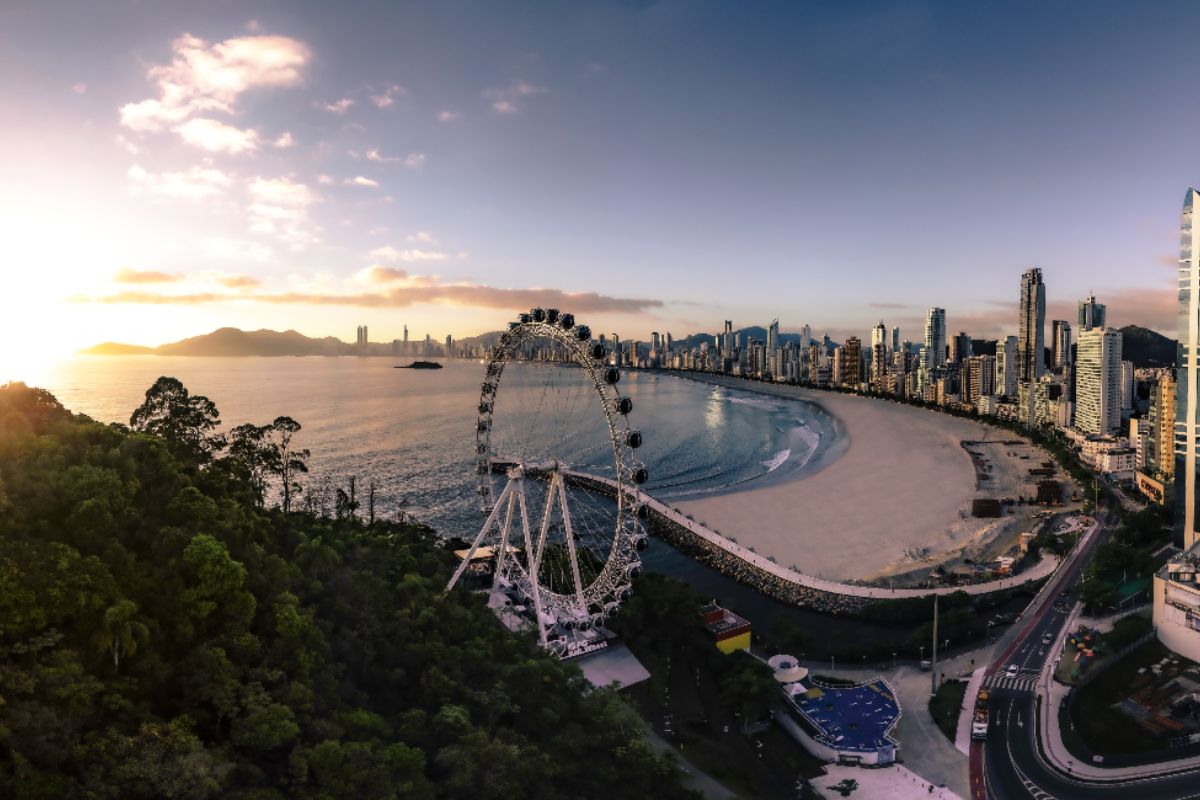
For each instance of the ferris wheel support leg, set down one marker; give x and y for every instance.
(562, 507)
(502, 555)
(487, 526)
(537, 594)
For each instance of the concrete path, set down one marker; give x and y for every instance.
(891, 783)
(962, 736)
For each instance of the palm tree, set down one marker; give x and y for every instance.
(121, 633)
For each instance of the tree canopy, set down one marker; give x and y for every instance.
(166, 633)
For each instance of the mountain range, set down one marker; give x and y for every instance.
(1142, 346)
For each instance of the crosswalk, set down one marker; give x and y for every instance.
(1025, 681)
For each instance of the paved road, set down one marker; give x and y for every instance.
(1008, 765)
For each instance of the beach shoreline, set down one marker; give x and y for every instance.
(888, 499)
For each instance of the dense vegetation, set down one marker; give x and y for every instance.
(1129, 555)
(170, 630)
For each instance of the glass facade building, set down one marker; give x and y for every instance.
(1187, 392)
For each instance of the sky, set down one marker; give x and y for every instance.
(168, 168)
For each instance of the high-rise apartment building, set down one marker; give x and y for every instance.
(1128, 386)
(772, 337)
(1187, 378)
(1091, 313)
(1060, 344)
(935, 338)
(895, 339)
(981, 372)
(851, 370)
(1161, 453)
(1006, 366)
(1031, 327)
(960, 347)
(1098, 382)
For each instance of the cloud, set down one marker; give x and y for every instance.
(373, 154)
(80, 88)
(447, 116)
(127, 275)
(414, 160)
(595, 68)
(421, 236)
(359, 180)
(389, 253)
(326, 180)
(253, 26)
(279, 207)
(284, 140)
(388, 96)
(889, 305)
(338, 107)
(455, 294)
(196, 183)
(203, 78)
(1168, 260)
(239, 281)
(507, 100)
(217, 137)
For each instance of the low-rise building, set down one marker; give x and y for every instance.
(1177, 604)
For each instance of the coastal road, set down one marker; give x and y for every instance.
(1008, 765)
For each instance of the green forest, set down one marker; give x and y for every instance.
(176, 622)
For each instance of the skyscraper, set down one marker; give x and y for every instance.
(1098, 382)
(1091, 313)
(1128, 386)
(1187, 390)
(772, 338)
(852, 362)
(960, 347)
(895, 339)
(1031, 335)
(1162, 425)
(879, 357)
(935, 338)
(1060, 344)
(1006, 366)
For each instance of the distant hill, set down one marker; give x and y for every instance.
(234, 342)
(1147, 348)
(116, 349)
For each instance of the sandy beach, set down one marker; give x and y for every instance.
(893, 495)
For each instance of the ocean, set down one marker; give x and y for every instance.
(412, 432)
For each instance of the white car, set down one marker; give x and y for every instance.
(1012, 671)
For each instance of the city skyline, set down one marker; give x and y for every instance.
(260, 167)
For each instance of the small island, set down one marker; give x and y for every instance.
(419, 365)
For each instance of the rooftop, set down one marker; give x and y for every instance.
(856, 718)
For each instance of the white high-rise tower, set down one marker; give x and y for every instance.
(1187, 383)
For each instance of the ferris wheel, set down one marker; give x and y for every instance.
(558, 478)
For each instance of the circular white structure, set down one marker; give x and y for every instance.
(561, 544)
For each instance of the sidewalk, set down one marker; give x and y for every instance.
(962, 736)
(1050, 734)
(891, 783)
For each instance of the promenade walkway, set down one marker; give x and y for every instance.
(1042, 569)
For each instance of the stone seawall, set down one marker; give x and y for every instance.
(777, 582)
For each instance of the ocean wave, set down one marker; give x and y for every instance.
(776, 461)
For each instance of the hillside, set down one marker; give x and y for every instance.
(168, 633)
(1147, 348)
(233, 342)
